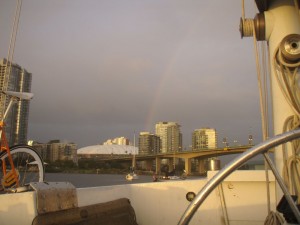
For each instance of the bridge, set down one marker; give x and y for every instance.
(187, 156)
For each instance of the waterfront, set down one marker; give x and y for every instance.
(94, 180)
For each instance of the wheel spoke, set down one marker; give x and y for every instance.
(27, 163)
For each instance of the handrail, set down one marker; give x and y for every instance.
(235, 164)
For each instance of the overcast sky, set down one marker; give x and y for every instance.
(108, 68)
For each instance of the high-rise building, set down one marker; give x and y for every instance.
(204, 138)
(55, 150)
(15, 78)
(117, 141)
(170, 136)
(148, 143)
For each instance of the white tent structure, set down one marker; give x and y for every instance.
(108, 150)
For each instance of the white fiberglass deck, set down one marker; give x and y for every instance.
(163, 203)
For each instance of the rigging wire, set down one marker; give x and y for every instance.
(287, 77)
(273, 218)
(263, 96)
(262, 92)
(10, 54)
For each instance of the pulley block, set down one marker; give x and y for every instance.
(290, 47)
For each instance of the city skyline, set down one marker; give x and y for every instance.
(219, 142)
(103, 69)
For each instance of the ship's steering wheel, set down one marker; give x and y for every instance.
(235, 164)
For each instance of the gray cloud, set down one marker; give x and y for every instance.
(103, 69)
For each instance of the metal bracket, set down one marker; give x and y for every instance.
(54, 196)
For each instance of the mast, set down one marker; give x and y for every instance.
(133, 158)
(278, 23)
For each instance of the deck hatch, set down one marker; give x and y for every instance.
(54, 196)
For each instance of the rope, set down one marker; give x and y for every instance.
(292, 163)
(288, 80)
(248, 28)
(262, 74)
(297, 7)
(274, 219)
(289, 91)
(292, 175)
(223, 204)
(262, 92)
(247, 23)
(243, 10)
(264, 108)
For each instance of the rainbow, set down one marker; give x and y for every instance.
(165, 76)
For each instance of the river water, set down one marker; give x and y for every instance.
(94, 180)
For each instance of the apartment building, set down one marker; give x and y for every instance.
(170, 136)
(148, 143)
(204, 138)
(15, 78)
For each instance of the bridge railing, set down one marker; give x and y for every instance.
(108, 157)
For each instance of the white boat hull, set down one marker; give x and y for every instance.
(130, 177)
(164, 202)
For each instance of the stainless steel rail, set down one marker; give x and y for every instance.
(235, 164)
